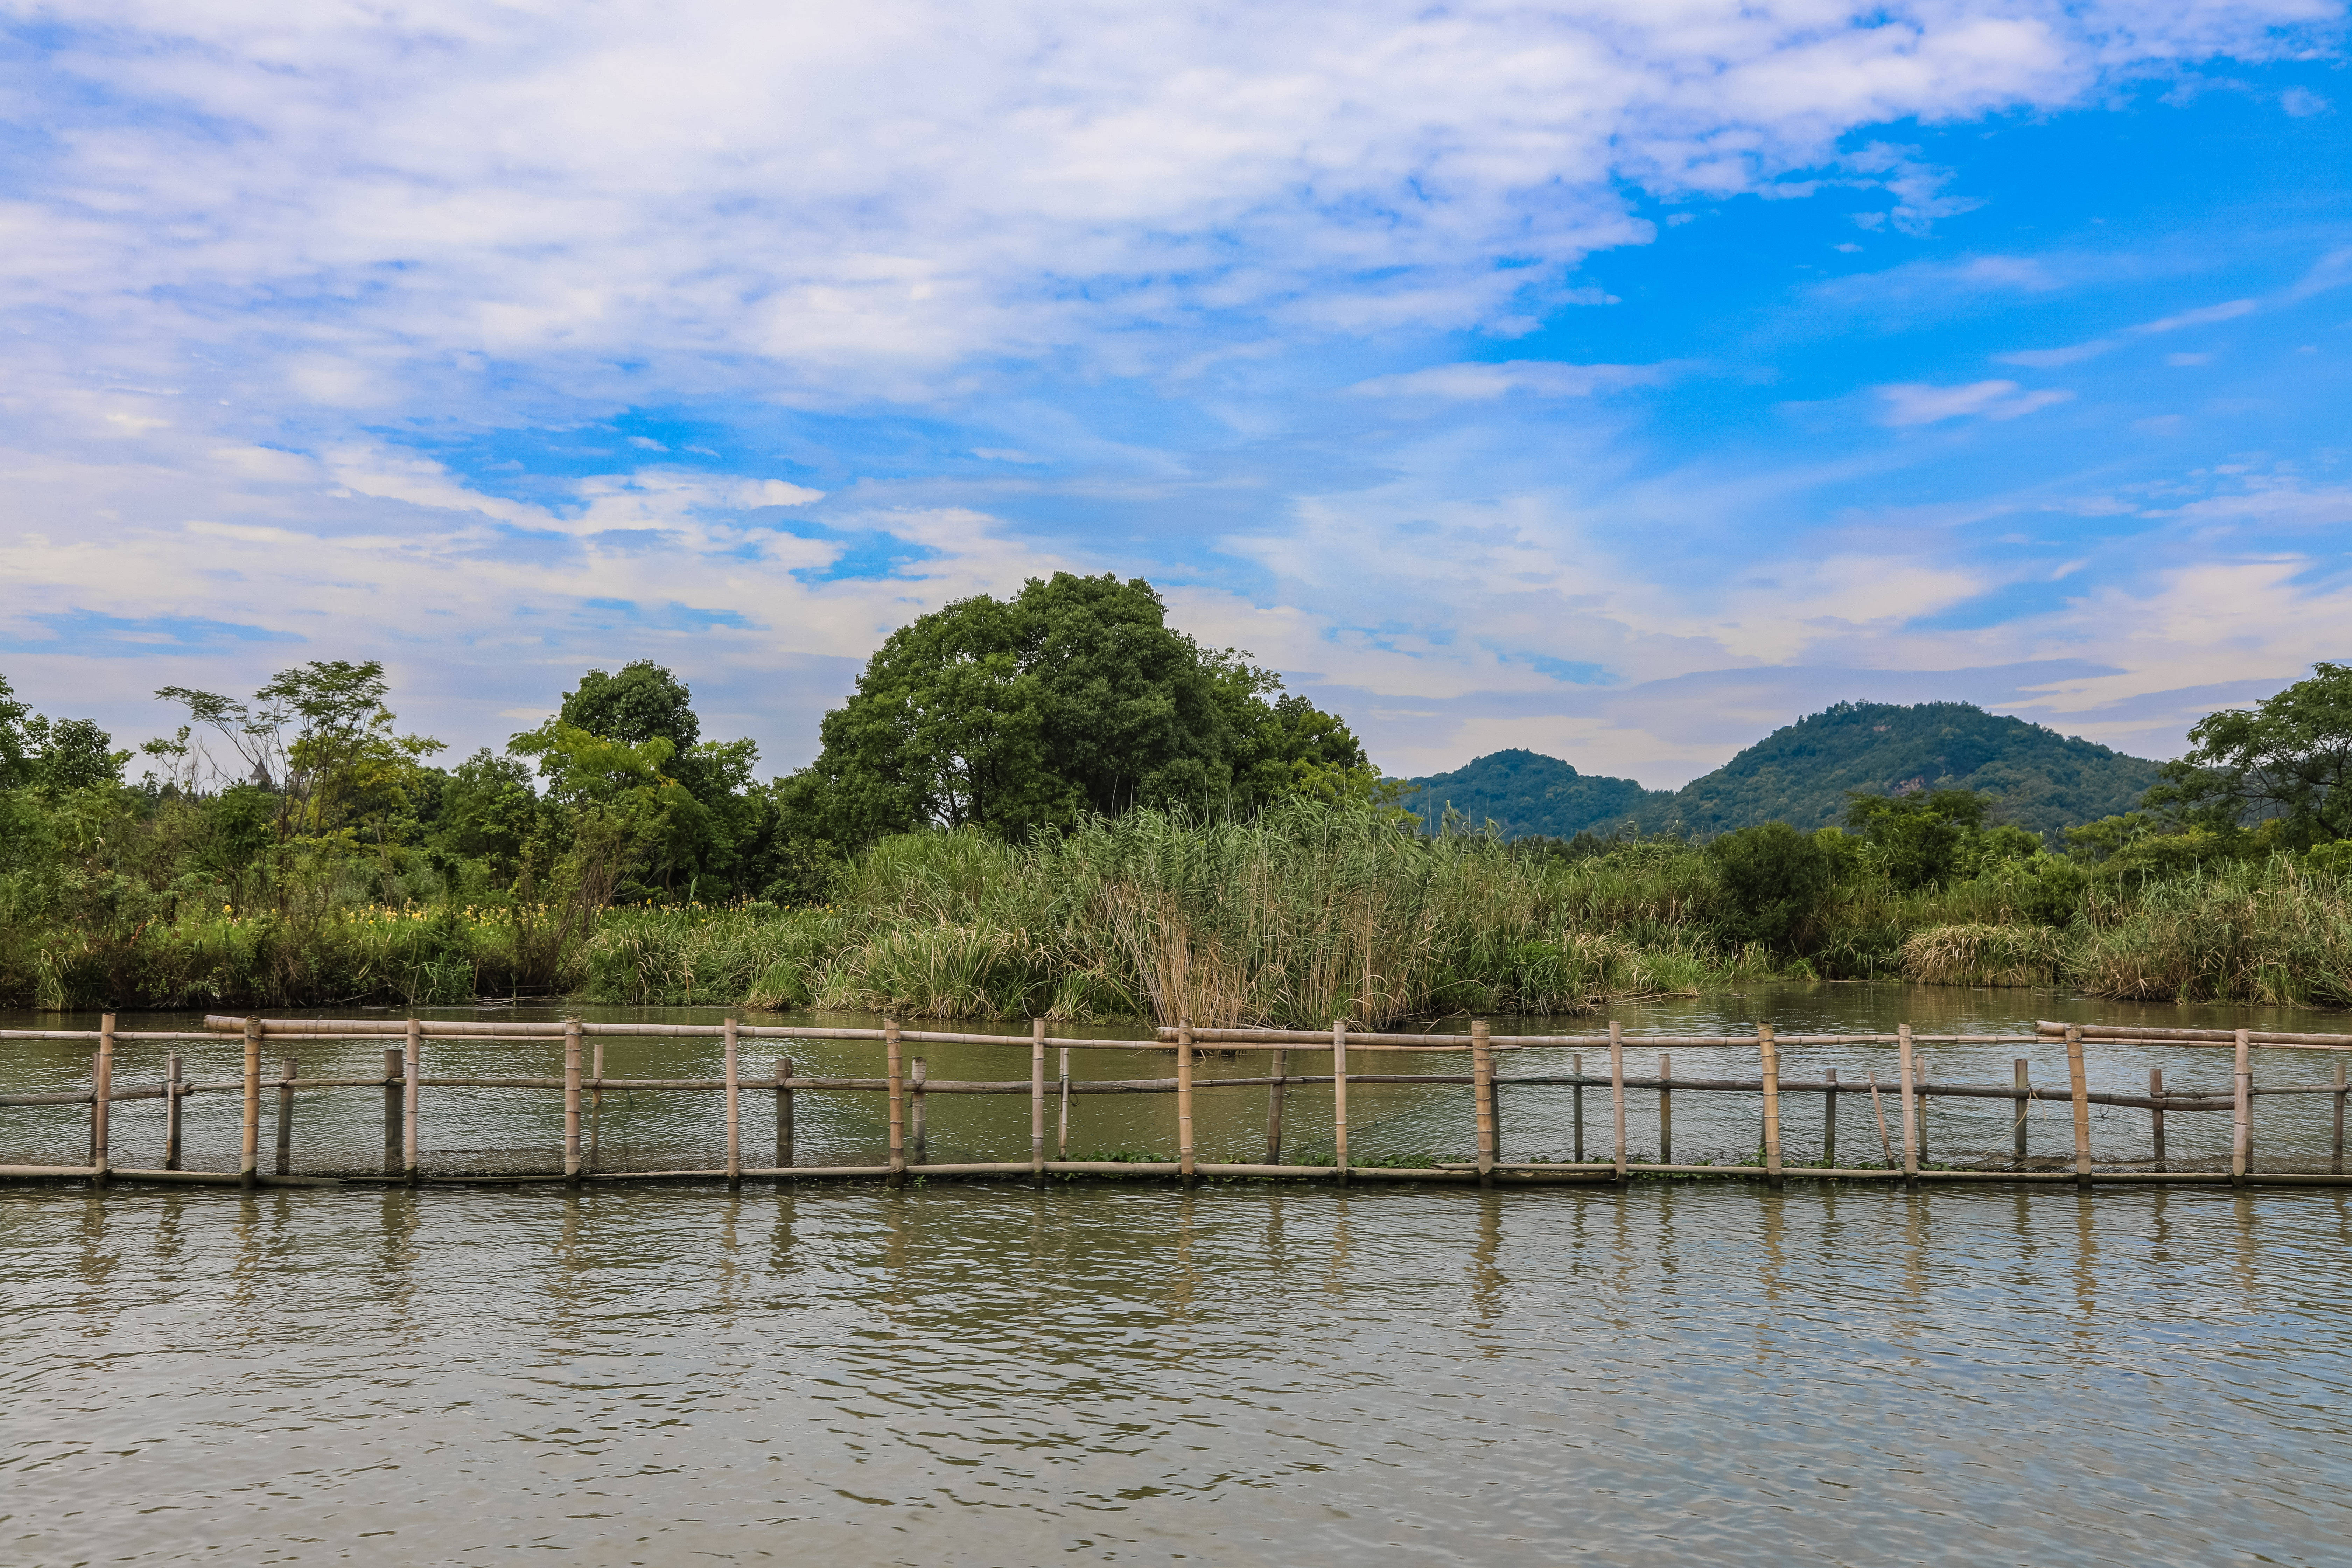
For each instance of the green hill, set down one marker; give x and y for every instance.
(1799, 774)
(1526, 792)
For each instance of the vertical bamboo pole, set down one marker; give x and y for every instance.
(101, 1104)
(391, 1088)
(413, 1087)
(1062, 1133)
(572, 1102)
(734, 1107)
(172, 1098)
(1482, 1078)
(286, 1117)
(783, 1114)
(1910, 1123)
(2078, 1081)
(1617, 1091)
(1494, 1102)
(1037, 1101)
(1184, 1100)
(91, 1159)
(1340, 1097)
(1829, 1119)
(2241, 1143)
(1274, 1097)
(2336, 1158)
(2156, 1117)
(918, 1106)
(1576, 1066)
(892, 1066)
(1886, 1144)
(597, 1107)
(249, 1162)
(2022, 1093)
(1665, 1109)
(1769, 1051)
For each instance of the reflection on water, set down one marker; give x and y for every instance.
(985, 1374)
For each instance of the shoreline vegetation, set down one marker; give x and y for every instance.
(1311, 911)
(1058, 806)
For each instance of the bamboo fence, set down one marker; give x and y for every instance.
(583, 1083)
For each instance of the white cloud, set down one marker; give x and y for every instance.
(2228, 309)
(840, 202)
(1478, 381)
(2302, 102)
(1915, 403)
(2051, 359)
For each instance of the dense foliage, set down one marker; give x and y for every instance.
(1802, 775)
(1073, 698)
(612, 851)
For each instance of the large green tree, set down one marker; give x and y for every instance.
(1074, 695)
(2287, 760)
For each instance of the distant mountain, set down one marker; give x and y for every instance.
(1524, 793)
(1801, 774)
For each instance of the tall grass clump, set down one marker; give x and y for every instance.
(1982, 954)
(2263, 932)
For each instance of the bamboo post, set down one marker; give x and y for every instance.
(2023, 1077)
(1829, 1119)
(1910, 1125)
(1885, 1144)
(286, 1117)
(1340, 1097)
(2336, 1159)
(783, 1113)
(2156, 1117)
(249, 1166)
(1665, 1109)
(2242, 1143)
(2078, 1082)
(734, 1107)
(101, 1104)
(91, 1157)
(596, 1109)
(1617, 1091)
(391, 1087)
(1576, 1066)
(1184, 1100)
(1769, 1051)
(1275, 1095)
(892, 1064)
(1482, 1075)
(1062, 1133)
(572, 1102)
(413, 1086)
(1037, 1101)
(919, 1123)
(171, 1096)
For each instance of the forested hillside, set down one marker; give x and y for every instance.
(2038, 779)
(1526, 792)
(1801, 773)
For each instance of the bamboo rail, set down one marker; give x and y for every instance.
(404, 1078)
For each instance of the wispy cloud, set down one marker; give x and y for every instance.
(1915, 403)
(1472, 382)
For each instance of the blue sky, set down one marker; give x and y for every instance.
(1620, 381)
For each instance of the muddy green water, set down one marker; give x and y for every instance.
(981, 1373)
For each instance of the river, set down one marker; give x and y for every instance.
(977, 1373)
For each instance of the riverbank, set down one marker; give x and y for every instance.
(1297, 917)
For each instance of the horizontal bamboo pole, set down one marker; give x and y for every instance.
(2150, 1034)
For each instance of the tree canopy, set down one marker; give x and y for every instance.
(1074, 695)
(2287, 760)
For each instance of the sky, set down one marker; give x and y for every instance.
(1620, 381)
